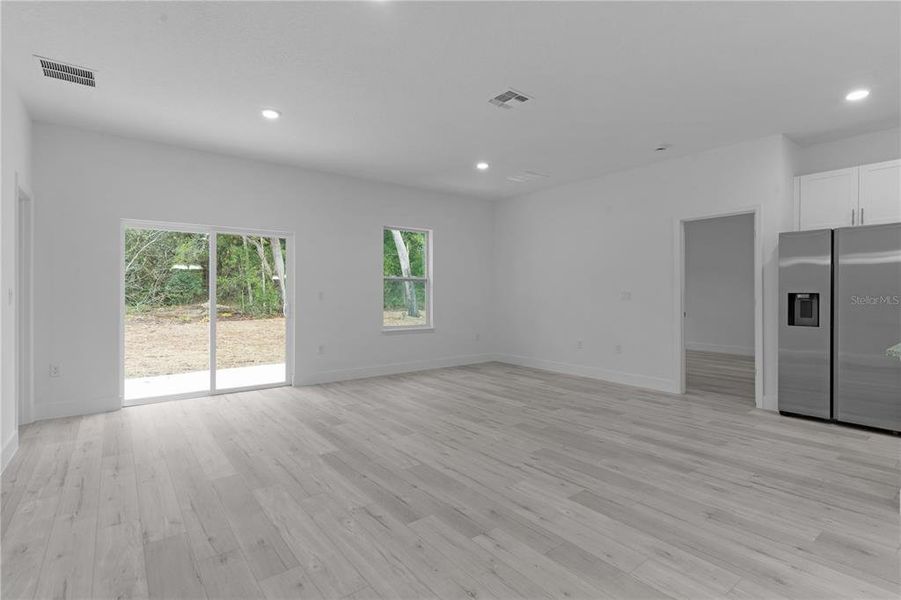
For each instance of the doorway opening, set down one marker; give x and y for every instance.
(204, 311)
(719, 308)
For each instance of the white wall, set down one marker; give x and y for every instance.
(872, 147)
(562, 259)
(15, 156)
(566, 255)
(719, 285)
(85, 183)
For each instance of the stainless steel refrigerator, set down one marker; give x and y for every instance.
(840, 325)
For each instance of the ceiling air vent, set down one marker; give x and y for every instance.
(509, 99)
(526, 176)
(70, 73)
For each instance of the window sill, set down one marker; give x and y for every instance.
(393, 330)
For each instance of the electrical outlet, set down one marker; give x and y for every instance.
(478, 336)
(618, 349)
(626, 295)
(578, 344)
(320, 349)
(54, 370)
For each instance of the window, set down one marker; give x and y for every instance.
(407, 297)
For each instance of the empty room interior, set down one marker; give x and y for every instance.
(454, 300)
(719, 307)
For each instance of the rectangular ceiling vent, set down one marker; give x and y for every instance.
(509, 99)
(65, 72)
(526, 176)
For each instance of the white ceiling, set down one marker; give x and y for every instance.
(398, 91)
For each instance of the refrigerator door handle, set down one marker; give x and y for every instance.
(853, 214)
(861, 216)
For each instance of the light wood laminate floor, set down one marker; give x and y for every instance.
(730, 375)
(488, 481)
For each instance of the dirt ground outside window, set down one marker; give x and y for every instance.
(173, 340)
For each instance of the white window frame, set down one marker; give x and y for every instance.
(212, 231)
(429, 281)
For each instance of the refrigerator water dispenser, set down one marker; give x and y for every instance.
(804, 309)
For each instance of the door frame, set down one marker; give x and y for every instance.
(212, 231)
(679, 296)
(24, 306)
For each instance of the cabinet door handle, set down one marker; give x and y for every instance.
(861, 216)
(853, 215)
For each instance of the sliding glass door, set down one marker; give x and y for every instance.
(167, 340)
(251, 288)
(204, 311)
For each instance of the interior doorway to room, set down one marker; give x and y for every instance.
(719, 307)
(204, 311)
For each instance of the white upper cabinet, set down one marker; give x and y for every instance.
(827, 200)
(880, 193)
(865, 195)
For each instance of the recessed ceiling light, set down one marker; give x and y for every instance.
(857, 95)
(270, 113)
(482, 166)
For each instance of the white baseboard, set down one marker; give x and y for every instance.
(721, 348)
(69, 409)
(56, 410)
(9, 449)
(643, 381)
(392, 369)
